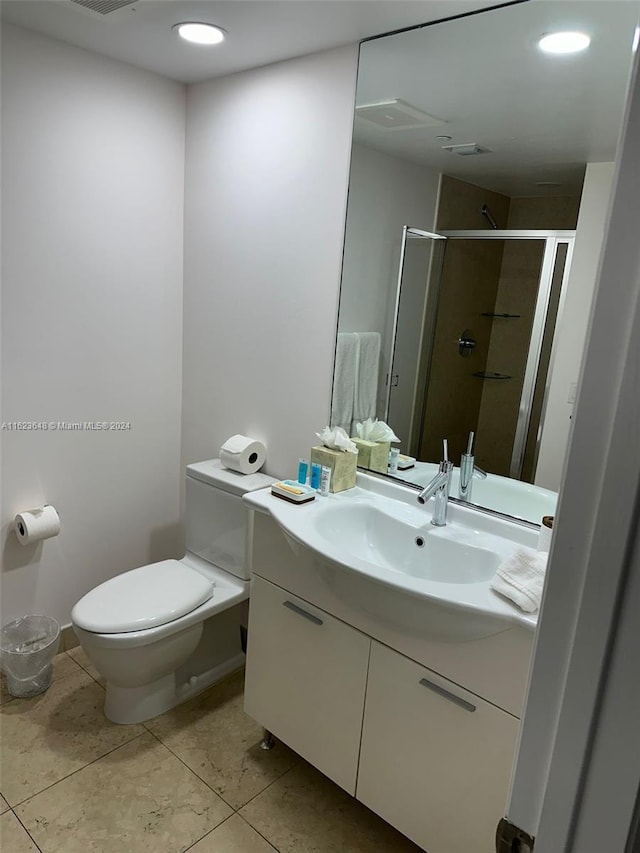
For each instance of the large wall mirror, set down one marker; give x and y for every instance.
(480, 177)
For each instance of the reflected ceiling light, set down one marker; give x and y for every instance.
(198, 33)
(567, 42)
(467, 149)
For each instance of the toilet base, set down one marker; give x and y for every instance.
(126, 705)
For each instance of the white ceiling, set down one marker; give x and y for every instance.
(259, 31)
(542, 117)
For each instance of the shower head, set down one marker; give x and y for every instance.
(487, 213)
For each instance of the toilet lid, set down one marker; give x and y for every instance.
(142, 598)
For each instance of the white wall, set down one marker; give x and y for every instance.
(92, 169)
(385, 194)
(265, 196)
(571, 330)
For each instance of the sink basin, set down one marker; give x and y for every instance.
(375, 546)
(443, 555)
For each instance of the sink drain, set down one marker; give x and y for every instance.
(420, 541)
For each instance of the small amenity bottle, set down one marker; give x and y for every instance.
(325, 480)
(546, 531)
(316, 471)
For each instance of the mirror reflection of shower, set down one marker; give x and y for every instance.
(484, 210)
(506, 286)
(543, 131)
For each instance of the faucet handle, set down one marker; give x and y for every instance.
(447, 467)
(441, 480)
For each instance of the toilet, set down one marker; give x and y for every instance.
(161, 633)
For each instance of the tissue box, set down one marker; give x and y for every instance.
(373, 455)
(342, 464)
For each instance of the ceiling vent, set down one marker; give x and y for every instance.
(396, 115)
(466, 149)
(101, 8)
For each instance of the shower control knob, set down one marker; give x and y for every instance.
(466, 343)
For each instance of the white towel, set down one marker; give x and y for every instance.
(366, 393)
(344, 380)
(521, 578)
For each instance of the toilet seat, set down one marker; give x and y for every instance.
(142, 598)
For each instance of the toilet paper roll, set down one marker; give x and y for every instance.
(34, 525)
(243, 454)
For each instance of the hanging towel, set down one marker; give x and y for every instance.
(366, 392)
(521, 578)
(344, 380)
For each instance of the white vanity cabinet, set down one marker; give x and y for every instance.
(306, 678)
(435, 759)
(429, 757)
(367, 685)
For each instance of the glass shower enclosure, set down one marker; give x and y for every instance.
(474, 325)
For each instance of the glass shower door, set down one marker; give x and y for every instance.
(491, 347)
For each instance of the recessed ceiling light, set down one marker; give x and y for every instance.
(198, 33)
(443, 138)
(567, 42)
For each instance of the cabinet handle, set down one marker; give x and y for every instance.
(446, 694)
(302, 612)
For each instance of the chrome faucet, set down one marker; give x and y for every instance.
(438, 488)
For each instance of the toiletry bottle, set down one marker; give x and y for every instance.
(546, 530)
(303, 468)
(315, 475)
(393, 460)
(325, 480)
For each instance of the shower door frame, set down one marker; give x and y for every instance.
(408, 231)
(553, 239)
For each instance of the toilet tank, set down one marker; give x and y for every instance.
(217, 521)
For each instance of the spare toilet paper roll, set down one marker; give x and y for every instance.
(34, 525)
(243, 454)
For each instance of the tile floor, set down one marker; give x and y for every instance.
(192, 779)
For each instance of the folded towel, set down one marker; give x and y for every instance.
(521, 578)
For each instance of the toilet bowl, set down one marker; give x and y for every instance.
(163, 632)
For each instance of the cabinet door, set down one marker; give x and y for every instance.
(306, 678)
(435, 759)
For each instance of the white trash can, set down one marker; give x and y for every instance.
(27, 648)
